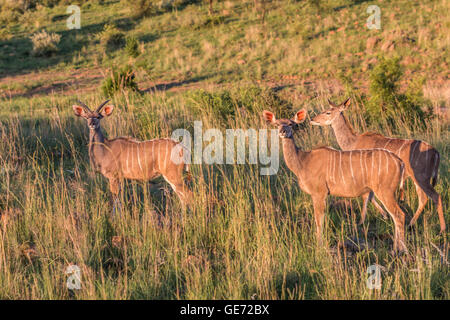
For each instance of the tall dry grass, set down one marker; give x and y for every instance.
(247, 236)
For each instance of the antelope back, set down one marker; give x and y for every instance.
(144, 160)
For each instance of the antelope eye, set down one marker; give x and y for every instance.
(328, 112)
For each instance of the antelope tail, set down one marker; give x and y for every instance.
(186, 154)
(402, 180)
(435, 169)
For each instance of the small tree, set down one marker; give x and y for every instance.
(44, 44)
(119, 80)
(387, 102)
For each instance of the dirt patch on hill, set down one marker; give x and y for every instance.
(51, 82)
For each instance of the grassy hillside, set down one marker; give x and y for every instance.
(247, 235)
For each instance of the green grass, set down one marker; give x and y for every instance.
(247, 235)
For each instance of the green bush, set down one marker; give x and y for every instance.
(13, 10)
(225, 103)
(220, 103)
(119, 80)
(132, 47)
(111, 38)
(143, 8)
(387, 103)
(45, 44)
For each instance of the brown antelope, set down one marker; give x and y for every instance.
(421, 159)
(126, 158)
(325, 171)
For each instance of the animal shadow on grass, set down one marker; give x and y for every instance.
(174, 84)
(157, 192)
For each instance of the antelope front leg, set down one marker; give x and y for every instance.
(319, 214)
(114, 188)
(369, 197)
(366, 198)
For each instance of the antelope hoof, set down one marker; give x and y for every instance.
(411, 224)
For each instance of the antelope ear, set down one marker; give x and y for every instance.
(107, 110)
(269, 116)
(79, 111)
(345, 104)
(300, 116)
(331, 103)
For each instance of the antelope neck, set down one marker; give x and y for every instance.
(344, 133)
(96, 146)
(293, 156)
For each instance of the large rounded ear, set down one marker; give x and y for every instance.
(79, 111)
(300, 116)
(107, 110)
(269, 116)
(345, 104)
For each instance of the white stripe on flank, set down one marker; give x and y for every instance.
(159, 157)
(328, 168)
(362, 168)
(371, 171)
(128, 156)
(340, 166)
(351, 167)
(132, 159)
(167, 156)
(332, 169)
(139, 158)
(400, 150)
(387, 162)
(365, 165)
(379, 166)
(387, 143)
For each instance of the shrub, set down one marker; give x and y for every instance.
(119, 80)
(143, 8)
(386, 102)
(224, 104)
(18, 5)
(45, 43)
(132, 47)
(111, 38)
(214, 20)
(220, 103)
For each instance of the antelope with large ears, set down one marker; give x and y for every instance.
(325, 171)
(127, 158)
(421, 159)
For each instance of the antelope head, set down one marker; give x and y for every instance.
(93, 117)
(328, 116)
(285, 126)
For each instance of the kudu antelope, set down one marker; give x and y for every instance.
(324, 171)
(126, 158)
(421, 159)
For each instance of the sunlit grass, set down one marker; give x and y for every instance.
(247, 235)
